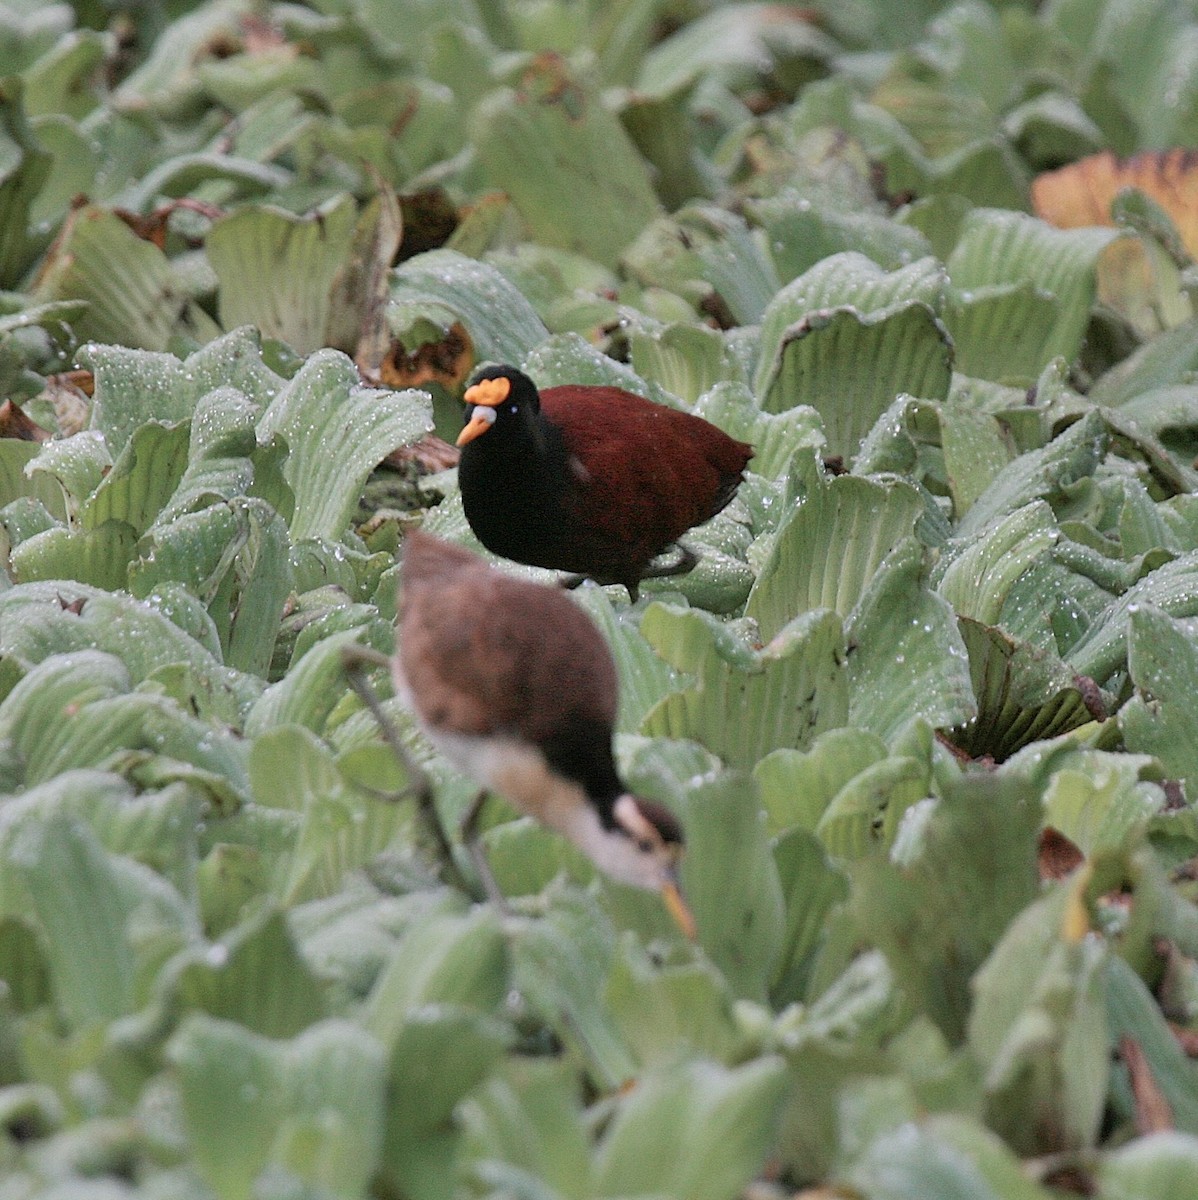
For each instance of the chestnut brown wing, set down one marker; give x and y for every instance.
(649, 473)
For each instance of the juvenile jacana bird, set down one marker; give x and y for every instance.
(513, 683)
(590, 480)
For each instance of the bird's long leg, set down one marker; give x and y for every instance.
(354, 661)
(470, 838)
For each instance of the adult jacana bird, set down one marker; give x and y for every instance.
(513, 683)
(590, 480)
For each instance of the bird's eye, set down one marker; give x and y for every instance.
(512, 408)
(645, 846)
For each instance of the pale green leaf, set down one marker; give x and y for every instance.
(826, 552)
(1039, 1027)
(909, 661)
(542, 145)
(1019, 282)
(730, 882)
(136, 386)
(432, 291)
(747, 702)
(277, 270)
(968, 869)
(447, 958)
(337, 432)
(797, 785)
(98, 556)
(719, 1120)
(1160, 718)
(134, 296)
(254, 975)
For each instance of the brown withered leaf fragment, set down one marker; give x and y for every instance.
(1175, 795)
(446, 362)
(1153, 1111)
(150, 227)
(429, 219)
(1187, 1039)
(15, 424)
(1058, 856)
(1071, 1178)
(261, 36)
(70, 392)
(1092, 697)
(1081, 193)
(73, 606)
(430, 454)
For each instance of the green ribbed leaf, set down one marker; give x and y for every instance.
(560, 963)
(850, 367)
(722, 1121)
(747, 702)
(864, 815)
(85, 901)
(811, 887)
(1172, 588)
(439, 1056)
(23, 171)
(908, 661)
(308, 692)
(775, 438)
(1021, 285)
(142, 479)
(1023, 695)
(687, 360)
(1039, 1027)
(313, 1106)
(342, 830)
(706, 253)
(337, 432)
(135, 386)
(798, 785)
(98, 556)
(1160, 719)
(255, 976)
(1156, 1164)
(1040, 474)
(77, 463)
(825, 554)
(130, 286)
(432, 291)
(35, 624)
(963, 872)
(447, 958)
(543, 143)
(276, 270)
(981, 572)
(731, 884)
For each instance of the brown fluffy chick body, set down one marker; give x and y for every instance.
(513, 683)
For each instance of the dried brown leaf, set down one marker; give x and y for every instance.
(1081, 193)
(430, 453)
(446, 362)
(1058, 857)
(1153, 1111)
(15, 424)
